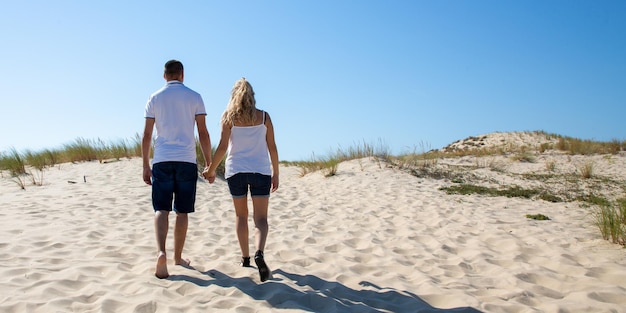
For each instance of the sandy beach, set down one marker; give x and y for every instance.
(372, 238)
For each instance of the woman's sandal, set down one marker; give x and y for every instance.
(245, 261)
(264, 271)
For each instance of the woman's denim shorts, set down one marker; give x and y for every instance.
(258, 184)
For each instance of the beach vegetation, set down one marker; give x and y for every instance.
(490, 162)
(99, 150)
(422, 156)
(20, 181)
(550, 197)
(15, 164)
(38, 162)
(510, 192)
(329, 164)
(135, 145)
(587, 199)
(524, 157)
(610, 218)
(19, 164)
(577, 146)
(543, 147)
(120, 149)
(80, 150)
(447, 173)
(475, 145)
(537, 217)
(359, 150)
(586, 170)
(593, 200)
(36, 178)
(583, 185)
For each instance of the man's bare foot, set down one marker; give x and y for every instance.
(161, 266)
(183, 262)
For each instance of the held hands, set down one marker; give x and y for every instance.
(209, 175)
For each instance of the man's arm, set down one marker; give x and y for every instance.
(220, 151)
(204, 138)
(146, 144)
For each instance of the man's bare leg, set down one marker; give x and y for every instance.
(180, 233)
(161, 225)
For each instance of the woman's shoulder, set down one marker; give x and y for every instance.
(264, 115)
(261, 112)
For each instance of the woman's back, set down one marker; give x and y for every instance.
(248, 152)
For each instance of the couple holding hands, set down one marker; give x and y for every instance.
(247, 141)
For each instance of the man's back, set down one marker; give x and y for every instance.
(174, 108)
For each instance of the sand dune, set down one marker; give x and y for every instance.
(372, 238)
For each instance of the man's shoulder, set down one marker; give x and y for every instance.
(181, 88)
(158, 91)
(174, 89)
(178, 90)
(191, 91)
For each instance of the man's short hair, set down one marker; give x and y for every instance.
(173, 68)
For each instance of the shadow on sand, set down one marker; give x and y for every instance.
(320, 295)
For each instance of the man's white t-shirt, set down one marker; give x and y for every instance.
(174, 108)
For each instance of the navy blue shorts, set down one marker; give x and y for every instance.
(174, 182)
(258, 184)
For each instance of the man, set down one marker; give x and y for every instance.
(173, 109)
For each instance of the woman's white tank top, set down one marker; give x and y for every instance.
(247, 150)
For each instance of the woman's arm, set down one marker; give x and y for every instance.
(220, 151)
(271, 146)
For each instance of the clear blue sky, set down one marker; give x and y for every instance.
(332, 74)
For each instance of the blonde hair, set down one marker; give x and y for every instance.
(242, 105)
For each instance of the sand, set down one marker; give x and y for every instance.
(372, 238)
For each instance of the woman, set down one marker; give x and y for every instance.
(251, 164)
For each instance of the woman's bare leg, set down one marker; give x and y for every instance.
(261, 229)
(241, 224)
(260, 205)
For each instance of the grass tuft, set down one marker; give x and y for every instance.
(586, 170)
(13, 162)
(329, 164)
(511, 192)
(34, 163)
(537, 217)
(611, 221)
(524, 157)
